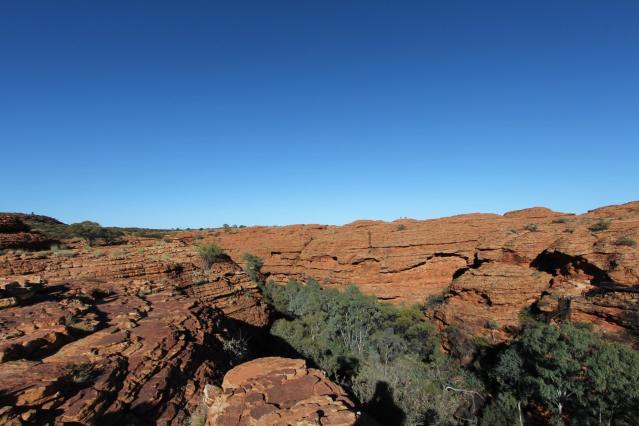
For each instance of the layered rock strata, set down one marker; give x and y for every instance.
(94, 351)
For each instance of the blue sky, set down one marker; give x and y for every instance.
(198, 113)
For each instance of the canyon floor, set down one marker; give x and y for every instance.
(134, 331)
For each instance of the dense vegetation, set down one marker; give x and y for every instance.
(389, 358)
(568, 370)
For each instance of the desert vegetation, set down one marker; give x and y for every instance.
(625, 241)
(600, 225)
(210, 253)
(391, 361)
(252, 266)
(388, 357)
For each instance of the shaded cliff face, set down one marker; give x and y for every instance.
(117, 337)
(490, 266)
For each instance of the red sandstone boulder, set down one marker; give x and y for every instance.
(277, 391)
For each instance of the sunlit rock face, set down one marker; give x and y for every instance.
(105, 350)
(278, 391)
(490, 267)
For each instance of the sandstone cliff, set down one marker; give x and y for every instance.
(488, 267)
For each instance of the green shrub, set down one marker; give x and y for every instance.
(53, 231)
(253, 266)
(92, 231)
(78, 374)
(210, 254)
(400, 227)
(527, 315)
(434, 301)
(600, 225)
(149, 233)
(503, 411)
(532, 227)
(561, 220)
(625, 241)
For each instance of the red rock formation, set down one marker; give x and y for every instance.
(492, 297)
(15, 234)
(277, 391)
(111, 351)
(406, 263)
(557, 255)
(147, 348)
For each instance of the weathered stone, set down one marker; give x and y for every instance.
(278, 391)
(113, 351)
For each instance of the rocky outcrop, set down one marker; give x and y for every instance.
(15, 234)
(137, 258)
(493, 265)
(586, 261)
(14, 292)
(489, 299)
(277, 391)
(94, 351)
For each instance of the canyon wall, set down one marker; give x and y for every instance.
(488, 268)
(134, 331)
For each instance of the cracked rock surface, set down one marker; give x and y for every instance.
(107, 351)
(277, 391)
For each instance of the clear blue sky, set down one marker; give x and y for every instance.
(198, 113)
